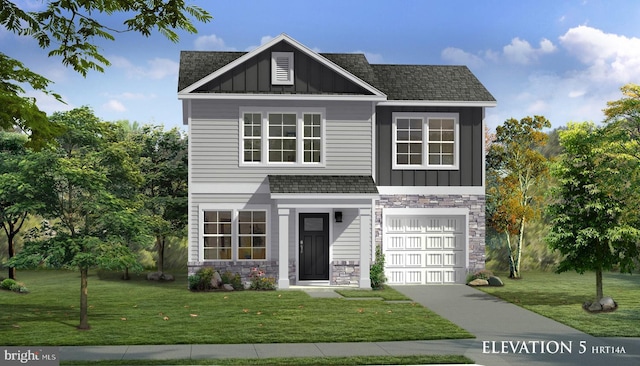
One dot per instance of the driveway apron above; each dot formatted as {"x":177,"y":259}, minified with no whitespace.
{"x":507,"y":334}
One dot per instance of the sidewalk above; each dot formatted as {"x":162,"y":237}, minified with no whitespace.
{"x":500,"y":328}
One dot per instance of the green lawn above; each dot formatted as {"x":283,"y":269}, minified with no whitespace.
{"x":143,"y":312}
{"x":560,"y":297}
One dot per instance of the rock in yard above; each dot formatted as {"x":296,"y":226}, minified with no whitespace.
{"x":495,"y":281}
{"x":227,"y":287}
{"x":478,"y":282}
{"x":595,"y":307}
{"x":216,"y":280}
{"x":154,"y":276}
{"x":167,"y":277}
{"x":607,"y":304}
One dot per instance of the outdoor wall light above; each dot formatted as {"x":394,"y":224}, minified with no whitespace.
{"x":338,"y":216}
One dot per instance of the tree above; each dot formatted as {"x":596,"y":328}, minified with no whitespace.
{"x":24,"y":186}
{"x":94,"y":221}
{"x":164,"y":167}
{"x":515,"y":168}
{"x":588,"y":223}
{"x":71,"y":30}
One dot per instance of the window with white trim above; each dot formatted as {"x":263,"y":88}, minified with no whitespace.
{"x":282,"y":68}
{"x":425,"y":140}
{"x":234,"y":234}
{"x":281,"y":137}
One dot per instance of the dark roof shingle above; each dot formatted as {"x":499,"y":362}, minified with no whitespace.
{"x":328,"y":184}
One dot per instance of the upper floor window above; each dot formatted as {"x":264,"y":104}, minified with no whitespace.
{"x":288,"y":138}
{"x":425,"y":140}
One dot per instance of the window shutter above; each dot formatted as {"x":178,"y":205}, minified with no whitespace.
{"x":282,"y":68}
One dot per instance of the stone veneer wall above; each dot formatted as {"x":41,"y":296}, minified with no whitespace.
{"x":345,"y":273}
{"x":475,"y":231}
{"x":244,"y":268}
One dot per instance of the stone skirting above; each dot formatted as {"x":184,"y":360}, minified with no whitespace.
{"x":244,"y":268}
{"x":475,"y":231}
{"x":345,"y":273}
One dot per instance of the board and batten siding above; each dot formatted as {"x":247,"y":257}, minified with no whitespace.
{"x":214,"y":139}
{"x":470,"y":172}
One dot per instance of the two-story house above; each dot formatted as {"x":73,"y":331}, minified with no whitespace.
{"x":301,"y":163}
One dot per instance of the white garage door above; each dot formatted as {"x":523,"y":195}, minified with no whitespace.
{"x":424,"y":249}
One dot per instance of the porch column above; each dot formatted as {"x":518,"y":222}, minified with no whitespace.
{"x":365,"y":247}
{"x":283,"y":248}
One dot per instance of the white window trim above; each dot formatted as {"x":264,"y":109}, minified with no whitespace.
{"x":235,"y":241}
{"x":425,"y":116}
{"x":264,"y":153}
{"x":275,"y":80}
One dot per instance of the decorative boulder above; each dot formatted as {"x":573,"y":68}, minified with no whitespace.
{"x":608,"y":304}
{"x":495,"y":281}
{"x":154,"y":276}
{"x":167,"y":277}
{"x":478,"y":282}
{"x":227,"y":287}
{"x":595,"y":307}
{"x":216,"y":280}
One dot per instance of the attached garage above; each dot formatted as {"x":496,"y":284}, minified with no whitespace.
{"x":425,"y":246}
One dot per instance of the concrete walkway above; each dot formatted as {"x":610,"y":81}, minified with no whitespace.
{"x":505,"y":335}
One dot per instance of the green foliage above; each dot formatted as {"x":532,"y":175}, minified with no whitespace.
{"x":259,"y":280}
{"x":7,"y":283}
{"x":376,"y":271}
{"x":195,"y":283}
{"x":589,"y":225}
{"x":12,"y":285}
{"x":234,"y":279}
{"x":515,"y":168}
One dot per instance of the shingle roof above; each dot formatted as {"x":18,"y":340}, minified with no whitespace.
{"x":398,"y":82}
{"x":430,"y":82}
{"x":337,"y":184}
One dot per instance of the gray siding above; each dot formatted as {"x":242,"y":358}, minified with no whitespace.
{"x":254,"y":76}
{"x":470,"y":171}
{"x":346,"y":236}
{"x":214,"y":141}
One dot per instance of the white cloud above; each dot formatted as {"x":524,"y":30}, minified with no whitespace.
{"x":610,"y":58}
{"x":461,"y":57}
{"x":48,"y":103}
{"x":114,"y":106}
{"x":211,"y":43}
{"x":521,"y":52}
{"x":131,"y":96}
{"x":157,"y":68}
{"x":263,"y":40}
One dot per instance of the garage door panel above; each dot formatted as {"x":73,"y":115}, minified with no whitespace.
{"x":425,"y":249}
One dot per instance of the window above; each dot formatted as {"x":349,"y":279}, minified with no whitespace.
{"x":217,"y":235}
{"x":282,"y":137}
{"x":425,"y":140}
{"x":276,"y":137}
{"x":312,"y":138}
{"x":252,"y":232}
{"x":252,"y":133}
{"x":282,"y":68}
{"x":234,"y":234}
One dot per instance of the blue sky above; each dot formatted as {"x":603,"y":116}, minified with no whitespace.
{"x":560,"y":59}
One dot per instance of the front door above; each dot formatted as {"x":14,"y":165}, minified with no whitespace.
{"x":314,"y":246}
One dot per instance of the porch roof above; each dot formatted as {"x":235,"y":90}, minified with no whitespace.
{"x":322,"y":184}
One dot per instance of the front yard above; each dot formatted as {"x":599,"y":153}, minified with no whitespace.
{"x":560,"y":296}
{"x":142,"y":312}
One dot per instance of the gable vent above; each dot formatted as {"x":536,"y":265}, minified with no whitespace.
{"x":282,"y":68}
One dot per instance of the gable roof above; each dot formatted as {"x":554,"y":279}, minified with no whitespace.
{"x":390,"y":84}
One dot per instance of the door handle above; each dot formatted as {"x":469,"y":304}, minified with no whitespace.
{"x":301,"y":246}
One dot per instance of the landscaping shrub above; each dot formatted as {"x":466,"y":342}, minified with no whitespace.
{"x":7,"y":283}
{"x":195,"y":282}
{"x":376,"y":271}
{"x":484,"y":274}
{"x":234,"y":279}
{"x":259,"y":281}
